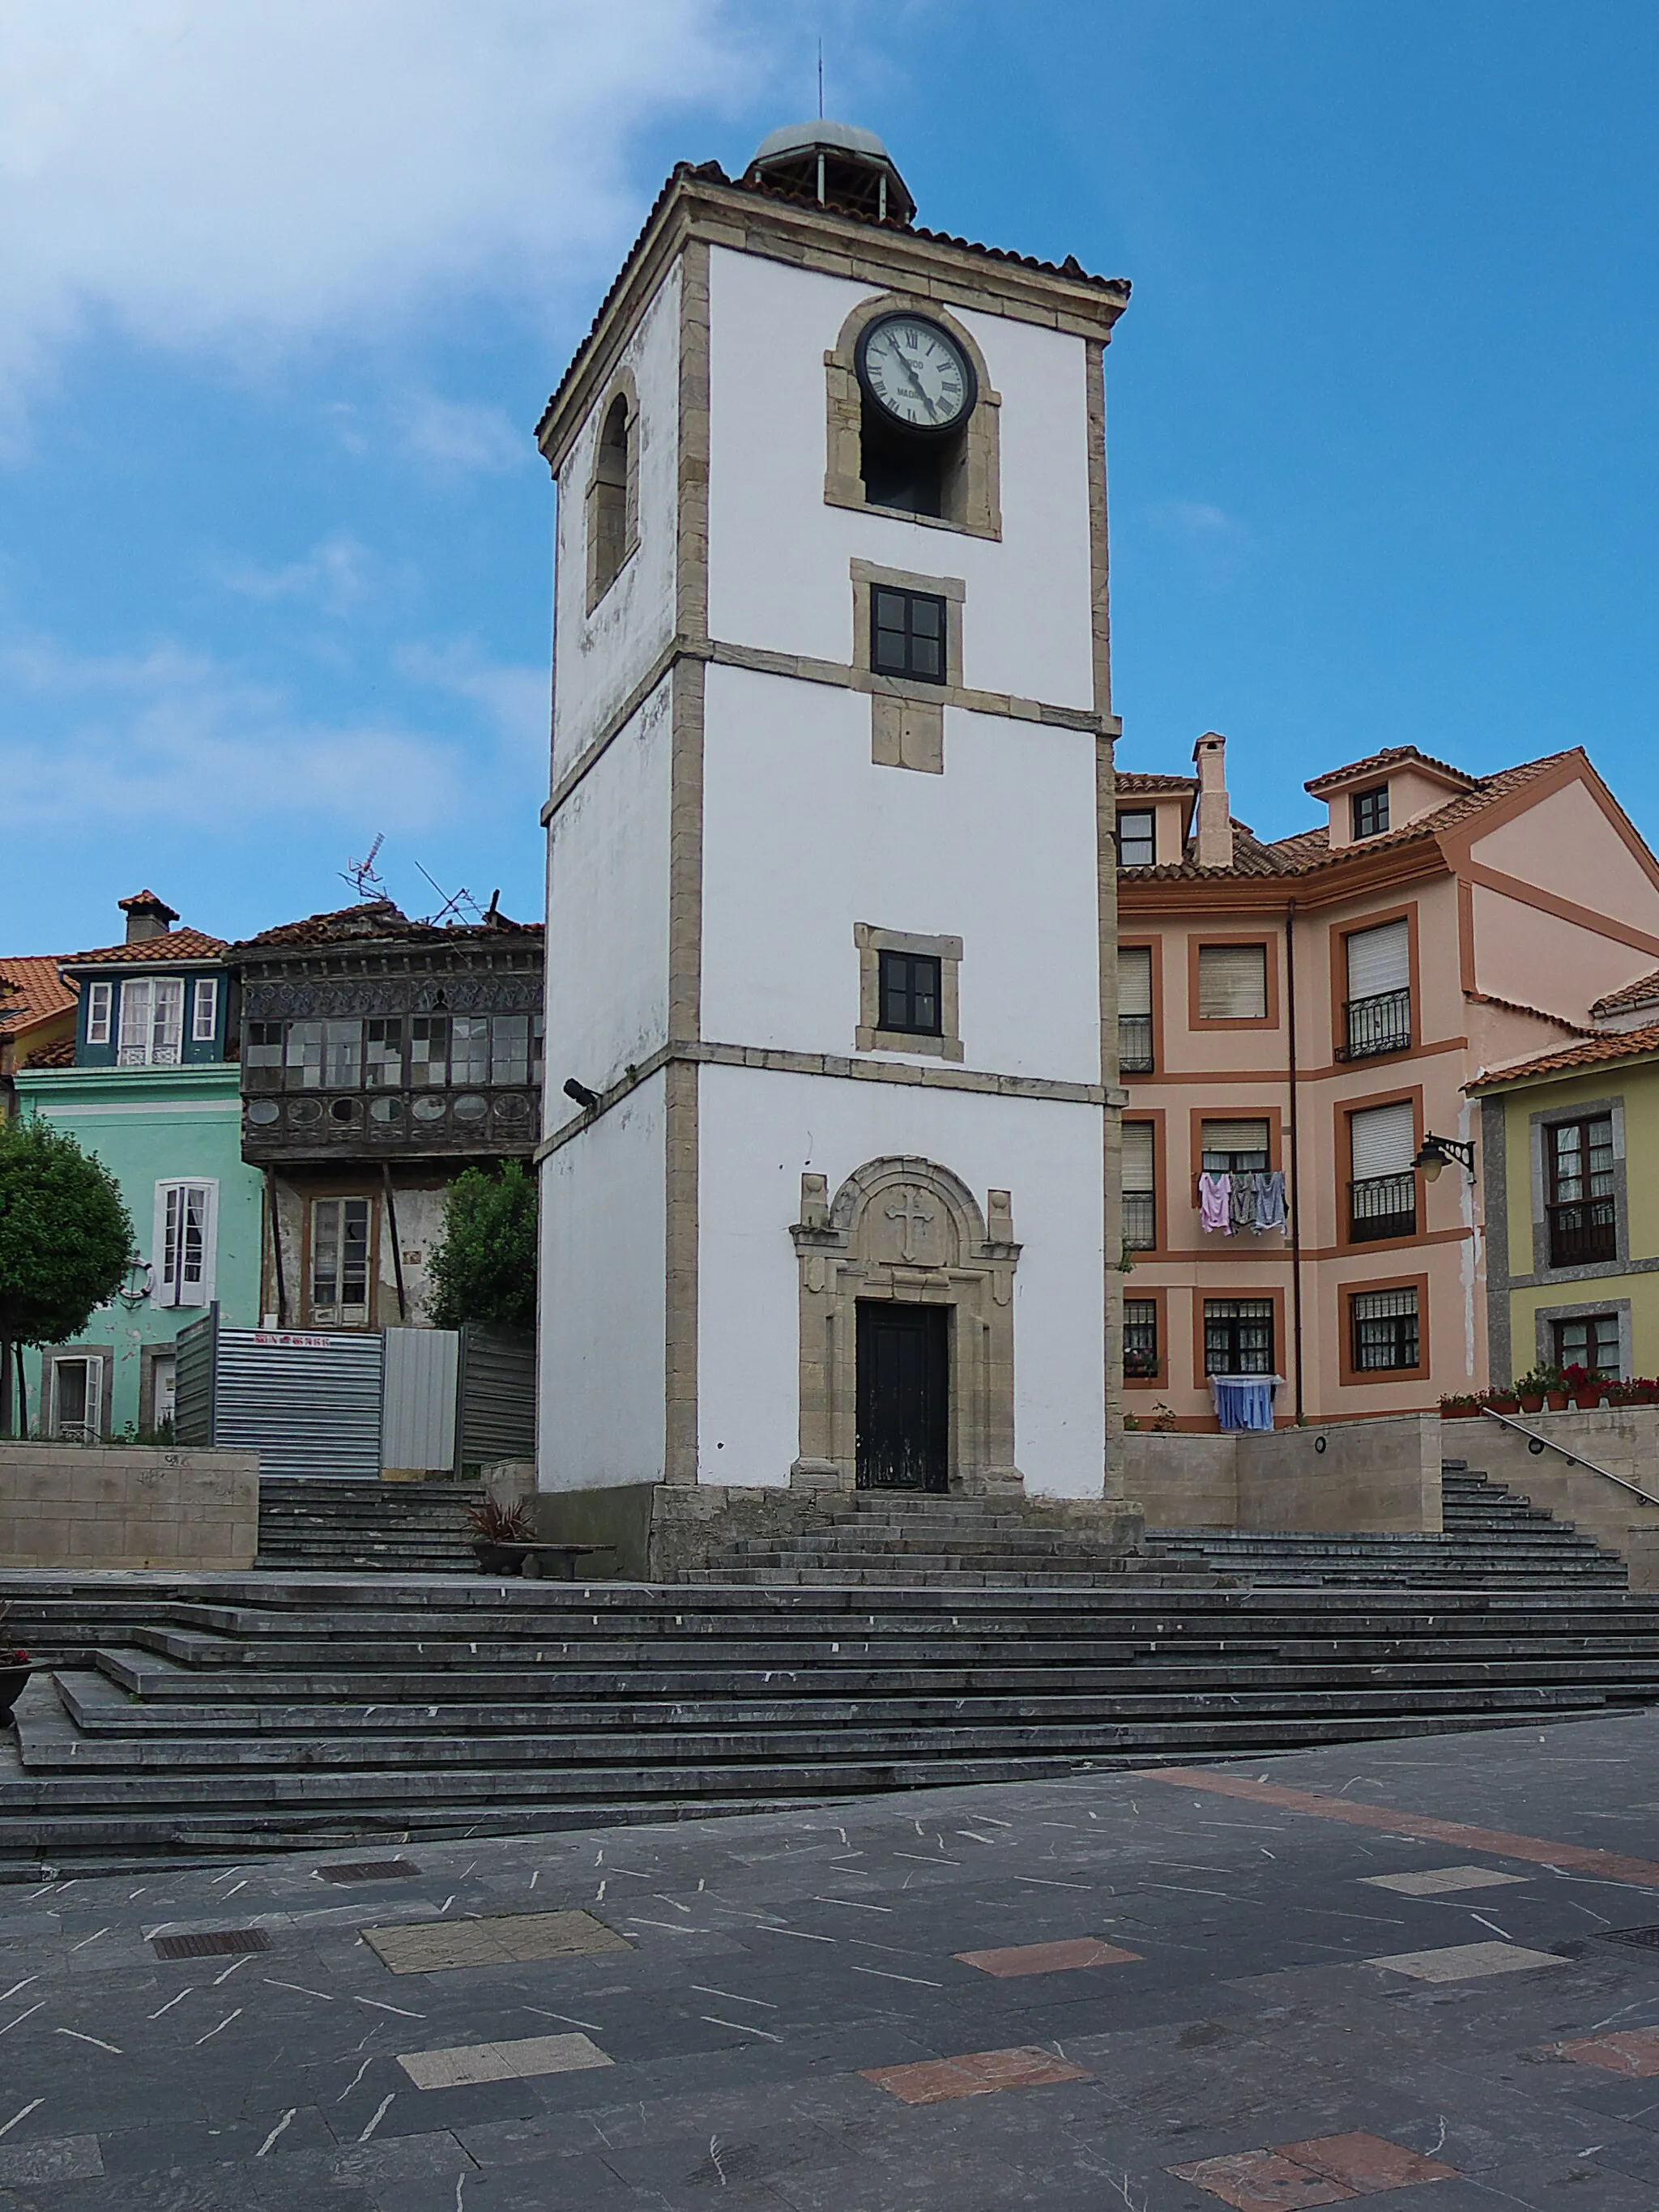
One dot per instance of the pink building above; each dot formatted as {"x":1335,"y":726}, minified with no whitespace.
{"x":1312,"y":1009}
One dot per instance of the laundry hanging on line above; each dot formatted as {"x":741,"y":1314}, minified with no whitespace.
{"x":1229,"y":1204}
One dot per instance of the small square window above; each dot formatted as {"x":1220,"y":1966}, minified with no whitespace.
{"x":907,"y":633}
{"x":1137,"y":846}
{"x":910,"y":994}
{"x":1238,"y":1336}
{"x":1385,"y":1330}
{"x":1590,"y":1341}
{"x":1370,"y":811}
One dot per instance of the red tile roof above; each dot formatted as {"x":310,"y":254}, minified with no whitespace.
{"x":60,"y":1052}
{"x":1590,"y":1052}
{"x":1309,"y":850}
{"x":171,"y":945}
{"x":38,"y":992}
{"x":1133,"y":779}
{"x":1390,"y":757}
{"x":1644,"y":992}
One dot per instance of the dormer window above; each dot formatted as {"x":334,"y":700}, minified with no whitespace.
{"x":152,"y":1021}
{"x":1370,"y":811}
{"x":1137,"y":844}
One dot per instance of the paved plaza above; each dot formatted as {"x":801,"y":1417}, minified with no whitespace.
{"x":1408,"y":1970}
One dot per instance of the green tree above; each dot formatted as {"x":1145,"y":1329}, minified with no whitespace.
{"x":65,"y":1241}
{"x":483,"y":1267}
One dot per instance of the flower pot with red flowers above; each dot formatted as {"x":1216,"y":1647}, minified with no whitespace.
{"x":1502,"y":1401}
{"x":1459,"y":1409}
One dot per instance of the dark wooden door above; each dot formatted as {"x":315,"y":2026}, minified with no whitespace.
{"x":903,"y":1396}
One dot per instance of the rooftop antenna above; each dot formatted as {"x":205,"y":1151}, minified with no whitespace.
{"x":361,"y":875}
{"x":450,"y":905}
{"x":820,"y":80}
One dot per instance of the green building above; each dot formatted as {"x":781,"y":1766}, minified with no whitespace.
{"x":1570,"y":1146}
{"x":146,"y":1086}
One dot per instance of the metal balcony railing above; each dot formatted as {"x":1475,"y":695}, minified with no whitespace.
{"x":1382,"y":1023}
{"x":1140,"y":1220}
{"x":1382,"y":1206}
{"x":1134,"y":1044}
{"x":1583,"y":1233}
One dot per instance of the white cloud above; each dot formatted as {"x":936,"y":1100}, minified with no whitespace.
{"x":454,"y":433}
{"x":176,"y":736}
{"x":334,"y":575}
{"x":244,"y":176}
{"x":518,"y":701}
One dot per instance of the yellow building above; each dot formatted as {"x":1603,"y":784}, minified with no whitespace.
{"x":1569,"y":1145}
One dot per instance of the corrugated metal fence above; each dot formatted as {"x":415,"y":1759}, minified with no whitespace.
{"x":348,"y":1405}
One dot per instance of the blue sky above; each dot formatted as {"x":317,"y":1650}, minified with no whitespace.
{"x":287,"y":284}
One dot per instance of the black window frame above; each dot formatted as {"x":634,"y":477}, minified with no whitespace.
{"x":913,"y":644}
{"x":1143,"y":1358}
{"x":1369,"y":812}
{"x":909,"y":982}
{"x":1226,"y":1319}
{"x":1148,"y":815}
{"x":1394,"y":1332}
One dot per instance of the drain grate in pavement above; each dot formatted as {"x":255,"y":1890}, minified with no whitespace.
{"x":1645,"y":1939}
{"x":216,"y":1943}
{"x":369,"y":1870}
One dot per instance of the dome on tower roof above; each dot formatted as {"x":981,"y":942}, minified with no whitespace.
{"x":836,"y":164}
{"x":798,"y":137}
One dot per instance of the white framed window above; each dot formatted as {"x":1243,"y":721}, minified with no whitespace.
{"x":204,"y":1011}
{"x":185,"y":1239}
{"x":152,"y":1021}
{"x":340,"y":1273}
{"x":101,"y":1009}
{"x":75,"y":1408}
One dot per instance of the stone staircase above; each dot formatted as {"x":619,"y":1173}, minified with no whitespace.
{"x":1492,"y":1540}
{"x":227,"y":1715}
{"x":344,"y":1527}
{"x":906,"y":1540}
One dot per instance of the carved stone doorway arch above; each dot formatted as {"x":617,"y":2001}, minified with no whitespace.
{"x":907,"y":1230}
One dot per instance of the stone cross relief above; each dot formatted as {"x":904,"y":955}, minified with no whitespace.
{"x":911,"y":1215}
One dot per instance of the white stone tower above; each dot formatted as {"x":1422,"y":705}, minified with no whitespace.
{"x":828,"y":1181}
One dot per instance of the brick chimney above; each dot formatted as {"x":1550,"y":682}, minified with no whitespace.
{"x":147,"y":916}
{"x":1213,"y":823}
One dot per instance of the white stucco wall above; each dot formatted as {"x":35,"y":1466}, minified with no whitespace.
{"x":803,"y":837}
{"x":607,"y":911}
{"x":779,"y":555}
{"x":602,"y":656}
{"x":600,"y":1408}
{"x":759,"y":1131}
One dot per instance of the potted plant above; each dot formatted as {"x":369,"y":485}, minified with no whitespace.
{"x":497,"y":1531}
{"x":1457,"y":1408}
{"x":1584,"y":1386}
{"x":1542,"y":1386}
{"x":14,"y":1668}
{"x":1501,"y":1401}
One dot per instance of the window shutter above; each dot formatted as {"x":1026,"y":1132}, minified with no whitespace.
{"x":1138,"y":1167}
{"x":99,"y":998}
{"x":1233,"y":1136}
{"x":137,"y":1015}
{"x":1232,"y":982}
{"x":204,"y":1018}
{"x":169,"y":1028}
{"x":1135,"y":980}
{"x":1385,"y":1139}
{"x":1379,"y":960}
{"x":164,"y":1244}
{"x":197,"y":1209}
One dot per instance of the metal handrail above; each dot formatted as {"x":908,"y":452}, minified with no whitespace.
{"x":1548,"y":1443}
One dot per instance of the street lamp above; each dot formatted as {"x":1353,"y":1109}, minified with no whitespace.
{"x":1439,"y":1150}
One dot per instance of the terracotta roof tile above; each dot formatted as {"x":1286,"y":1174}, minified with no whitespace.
{"x":1310,"y":850}
{"x":1390,"y":757}
{"x":1538,"y":1013}
{"x":171,"y":945}
{"x":1133,"y":780}
{"x":60,"y":1052}
{"x":38,"y":991}
{"x":1644,"y":992}
{"x":1590,"y":1052}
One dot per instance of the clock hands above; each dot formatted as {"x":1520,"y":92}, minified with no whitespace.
{"x":909,"y":368}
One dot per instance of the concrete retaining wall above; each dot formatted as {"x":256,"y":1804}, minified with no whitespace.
{"x":1623,"y":1439}
{"x":1354,"y":1476}
{"x":62,"y":1505}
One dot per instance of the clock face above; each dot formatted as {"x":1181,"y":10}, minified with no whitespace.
{"x":916,"y":374}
